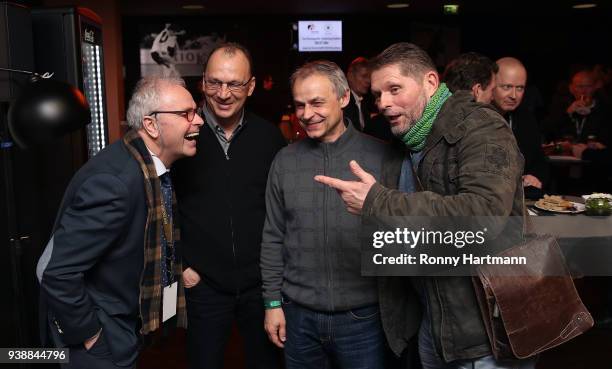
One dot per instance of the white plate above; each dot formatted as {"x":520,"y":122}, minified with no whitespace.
{"x":578,"y":206}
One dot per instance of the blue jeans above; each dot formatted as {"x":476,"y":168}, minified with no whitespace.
{"x":351,"y":339}
{"x":431,"y":360}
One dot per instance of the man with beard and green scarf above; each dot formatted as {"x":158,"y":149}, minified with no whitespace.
{"x":458,"y":159}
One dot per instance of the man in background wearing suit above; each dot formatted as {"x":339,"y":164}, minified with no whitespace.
{"x":359,"y":109}
{"x":358,"y":77}
{"x":114,"y":253}
{"x":510,"y":83}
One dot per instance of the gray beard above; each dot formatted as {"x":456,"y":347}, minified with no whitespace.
{"x":413,"y":117}
{"x":400,"y":131}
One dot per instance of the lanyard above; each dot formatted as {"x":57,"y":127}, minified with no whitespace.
{"x":168,"y":226}
{"x":169,"y":236}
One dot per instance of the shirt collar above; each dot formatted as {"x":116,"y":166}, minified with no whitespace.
{"x":357,"y":97}
{"x":212,"y":120}
{"x":160,"y":168}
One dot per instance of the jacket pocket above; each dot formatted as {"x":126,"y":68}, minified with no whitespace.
{"x":444,"y":179}
{"x":100,"y":348}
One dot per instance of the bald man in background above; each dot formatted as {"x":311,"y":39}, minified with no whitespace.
{"x":586,"y":119}
{"x":510,"y":84}
{"x":585,"y":123}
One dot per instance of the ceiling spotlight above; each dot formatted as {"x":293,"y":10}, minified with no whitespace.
{"x":397,"y":5}
{"x":193,"y":7}
{"x":584,"y":6}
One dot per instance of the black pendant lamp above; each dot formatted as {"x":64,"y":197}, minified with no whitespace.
{"x":46,"y":109}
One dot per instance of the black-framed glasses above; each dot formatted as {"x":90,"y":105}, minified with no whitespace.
{"x":188,"y":114}
{"x":234,"y":86}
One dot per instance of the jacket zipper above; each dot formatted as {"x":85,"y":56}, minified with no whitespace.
{"x":441,"y":348}
{"x":436,"y":342}
{"x":327,"y":255}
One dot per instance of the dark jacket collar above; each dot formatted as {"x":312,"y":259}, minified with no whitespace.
{"x":340,"y":145}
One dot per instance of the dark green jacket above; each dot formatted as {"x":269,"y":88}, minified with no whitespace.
{"x":471,"y":166}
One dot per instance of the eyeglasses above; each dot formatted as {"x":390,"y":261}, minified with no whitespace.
{"x":188,"y":114}
{"x":233,"y":86}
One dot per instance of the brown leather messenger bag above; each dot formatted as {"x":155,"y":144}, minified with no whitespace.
{"x":530,"y":308}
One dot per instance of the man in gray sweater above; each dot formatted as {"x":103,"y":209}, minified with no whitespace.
{"x":318,"y":306}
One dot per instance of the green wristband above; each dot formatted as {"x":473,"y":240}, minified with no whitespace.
{"x":272,"y":304}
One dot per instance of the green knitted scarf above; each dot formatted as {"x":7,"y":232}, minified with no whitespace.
{"x":414,"y":139}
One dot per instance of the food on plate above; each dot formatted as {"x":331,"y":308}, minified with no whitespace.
{"x":555,"y":203}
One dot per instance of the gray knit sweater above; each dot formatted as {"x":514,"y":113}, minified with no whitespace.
{"x":310,"y":248}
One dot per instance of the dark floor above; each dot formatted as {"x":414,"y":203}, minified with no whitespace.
{"x":593,"y":350}
{"x":169,"y":352}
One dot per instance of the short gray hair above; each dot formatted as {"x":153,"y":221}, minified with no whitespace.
{"x":325,"y":68}
{"x":145,"y":98}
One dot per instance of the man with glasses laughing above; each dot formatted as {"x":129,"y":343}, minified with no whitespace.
{"x":221,"y":199}
{"x":112,"y":268}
